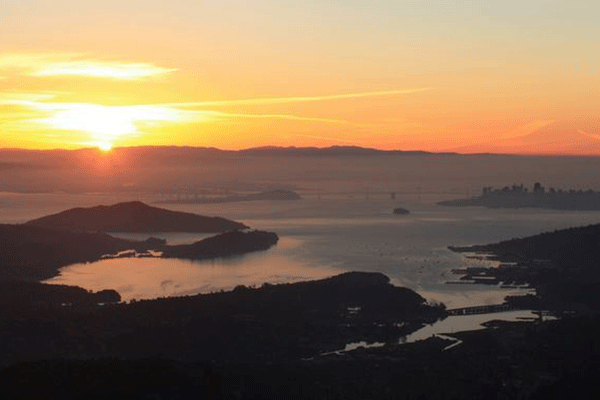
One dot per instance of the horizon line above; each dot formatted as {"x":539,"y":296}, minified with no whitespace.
{"x":266,"y":148}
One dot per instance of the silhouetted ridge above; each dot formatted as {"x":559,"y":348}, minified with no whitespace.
{"x":226,"y":244}
{"x":328,"y":151}
{"x":272,"y":322}
{"x":134,"y":216}
{"x":36,"y":253}
{"x":562,"y":265}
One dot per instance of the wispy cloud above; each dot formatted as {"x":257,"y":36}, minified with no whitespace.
{"x":299,"y":99}
{"x":102,"y":69}
{"x":106,"y":124}
{"x":68,"y":64}
{"x":218,"y":114}
{"x":593,"y":136}
{"x":527,"y":129}
{"x":8,"y":98}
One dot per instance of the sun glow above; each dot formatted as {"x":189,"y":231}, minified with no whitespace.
{"x":104,"y":146}
{"x":105,"y":124}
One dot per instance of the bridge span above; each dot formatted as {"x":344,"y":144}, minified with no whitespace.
{"x":488,"y":309}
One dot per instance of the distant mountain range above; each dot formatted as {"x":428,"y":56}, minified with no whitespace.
{"x":327,"y":151}
{"x":197,"y":170}
{"x":553,"y":139}
{"x":186,"y":152}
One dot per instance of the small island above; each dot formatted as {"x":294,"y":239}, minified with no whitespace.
{"x":518,"y":196}
{"x":134,"y":216}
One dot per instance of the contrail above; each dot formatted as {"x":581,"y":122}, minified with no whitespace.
{"x":287,"y":100}
{"x":280,"y":116}
{"x":597,"y":137}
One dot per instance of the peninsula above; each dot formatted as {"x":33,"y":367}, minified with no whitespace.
{"x":273,"y":322}
{"x":518,"y":196}
{"x":33,"y":253}
{"x":133,"y":216}
{"x":561,"y":265}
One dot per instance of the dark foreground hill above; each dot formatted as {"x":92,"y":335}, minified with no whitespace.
{"x":273,"y":322}
{"x":264,"y":344}
{"x":133,"y":216}
{"x":551,"y":360}
{"x":562,"y":265}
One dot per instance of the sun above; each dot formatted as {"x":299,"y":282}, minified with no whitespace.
{"x":104,"y":146}
{"x":105,"y":125}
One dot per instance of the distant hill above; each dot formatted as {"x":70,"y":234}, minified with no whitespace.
{"x":133,"y":216}
{"x":326,"y":151}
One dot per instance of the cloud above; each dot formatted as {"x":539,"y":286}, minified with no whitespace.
{"x":69,"y":64}
{"x":103,"y":125}
{"x":300,"y":99}
{"x":24,"y":98}
{"x":593,"y":136}
{"x":102,"y":69}
{"x":218,"y":114}
{"x":527,"y":129}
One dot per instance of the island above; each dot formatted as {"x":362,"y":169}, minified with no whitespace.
{"x":518,"y":196}
{"x":133,"y":216}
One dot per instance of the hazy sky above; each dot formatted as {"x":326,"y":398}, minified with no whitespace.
{"x":432,"y":75}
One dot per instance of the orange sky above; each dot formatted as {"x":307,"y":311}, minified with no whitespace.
{"x":441,"y":75}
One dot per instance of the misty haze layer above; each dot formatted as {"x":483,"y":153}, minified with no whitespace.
{"x":200,"y":170}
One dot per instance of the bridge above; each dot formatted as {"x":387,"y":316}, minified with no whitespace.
{"x":493,"y":308}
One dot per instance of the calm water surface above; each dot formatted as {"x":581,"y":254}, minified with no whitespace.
{"x":318,"y":238}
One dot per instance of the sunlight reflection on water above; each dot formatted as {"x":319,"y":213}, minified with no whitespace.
{"x":147,"y":278}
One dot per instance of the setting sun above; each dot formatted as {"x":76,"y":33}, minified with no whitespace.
{"x":487,"y":77}
{"x":103,"y":125}
{"x":104,"y":146}
{"x":299,"y":199}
